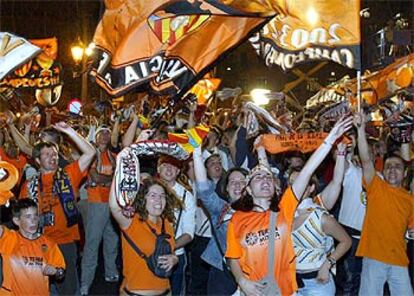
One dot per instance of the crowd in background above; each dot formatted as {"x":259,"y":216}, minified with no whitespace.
{"x":239,"y":220}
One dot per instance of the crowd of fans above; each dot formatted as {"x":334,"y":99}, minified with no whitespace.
{"x":238,"y":219}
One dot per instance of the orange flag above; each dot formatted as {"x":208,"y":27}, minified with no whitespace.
{"x":309,"y":30}
{"x":165,"y":47}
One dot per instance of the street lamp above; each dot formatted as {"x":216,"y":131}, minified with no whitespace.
{"x":80,"y":54}
{"x":259,"y":96}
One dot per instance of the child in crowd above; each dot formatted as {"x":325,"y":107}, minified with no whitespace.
{"x":29,"y":257}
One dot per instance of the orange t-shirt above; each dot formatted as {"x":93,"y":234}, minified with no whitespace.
{"x":247,"y":240}
{"x":23,"y":263}
{"x":101,"y":193}
{"x":137,"y":275}
{"x":19,"y":162}
{"x":59,"y":232}
{"x":390,"y":211}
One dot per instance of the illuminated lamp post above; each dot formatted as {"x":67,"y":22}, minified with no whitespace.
{"x":80,"y":55}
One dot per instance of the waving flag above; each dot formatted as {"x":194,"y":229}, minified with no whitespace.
{"x":41,"y":72}
{"x":14,"y":52}
{"x":165,"y":46}
{"x":192,"y":137}
{"x":311,"y":30}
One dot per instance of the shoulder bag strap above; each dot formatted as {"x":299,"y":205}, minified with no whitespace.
{"x":179,"y":215}
{"x":133,"y":245}
{"x":271,"y":246}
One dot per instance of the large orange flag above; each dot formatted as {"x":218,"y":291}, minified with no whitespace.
{"x":309,"y":30}
{"x":165,"y":46}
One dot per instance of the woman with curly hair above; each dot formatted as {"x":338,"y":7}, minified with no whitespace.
{"x":154,"y":208}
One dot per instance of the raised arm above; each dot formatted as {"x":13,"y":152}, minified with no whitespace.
{"x":115,"y":133}
{"x":200,"y":171}
{"x":331,"y":192}
{"x":123,"y":221}
{"x":367,"y":163}
{"x":129,"y":136}
{"x":20,"y":140}
{"x":261,"y":152}
{"x":405,"y":151}
{"x":86,"y":149}
{"x":116,"y":210}
{"x":191,"y":119}
{"x":302,"y":180}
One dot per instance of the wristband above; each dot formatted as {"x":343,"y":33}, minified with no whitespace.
{"x":341,"y":153}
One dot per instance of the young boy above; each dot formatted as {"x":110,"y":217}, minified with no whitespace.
{"x":28,"y":256}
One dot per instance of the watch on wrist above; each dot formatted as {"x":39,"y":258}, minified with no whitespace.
{"x":60,"y":272}
{"x":331,"y":261}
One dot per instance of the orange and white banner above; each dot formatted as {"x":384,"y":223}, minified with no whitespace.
{"x":311,"y":30}
{"x":165,"y":46}
{"x":303,"y":142}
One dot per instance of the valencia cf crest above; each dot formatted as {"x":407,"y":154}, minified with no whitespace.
{"x":169,"y":30}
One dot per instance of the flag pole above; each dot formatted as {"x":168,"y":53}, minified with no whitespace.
{"x":359,"y":90}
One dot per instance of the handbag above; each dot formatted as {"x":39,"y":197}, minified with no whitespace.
{"x":162,"y":247}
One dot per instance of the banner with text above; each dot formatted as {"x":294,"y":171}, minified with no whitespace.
{"x":165,"y":47}
{"x":41,"y":72}
{"x":303,"y":142}
{"x":311,"y":30}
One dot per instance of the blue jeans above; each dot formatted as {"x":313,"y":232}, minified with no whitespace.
{"x":314,"y":288}
{"x":177,"y":279}
{"x":375,"y":274}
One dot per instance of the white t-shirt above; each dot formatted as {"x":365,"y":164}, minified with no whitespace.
{"x":353,"y":205}
{"x":187,"y":220}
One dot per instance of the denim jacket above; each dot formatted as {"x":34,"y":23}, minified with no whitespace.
{"x":217,"y":208}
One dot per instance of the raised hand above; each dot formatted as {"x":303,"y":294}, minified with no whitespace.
{"x":62,"y":127}
{"x":145,"y":135}
{"x":359,"y":120}
{"x":343,"y":125}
